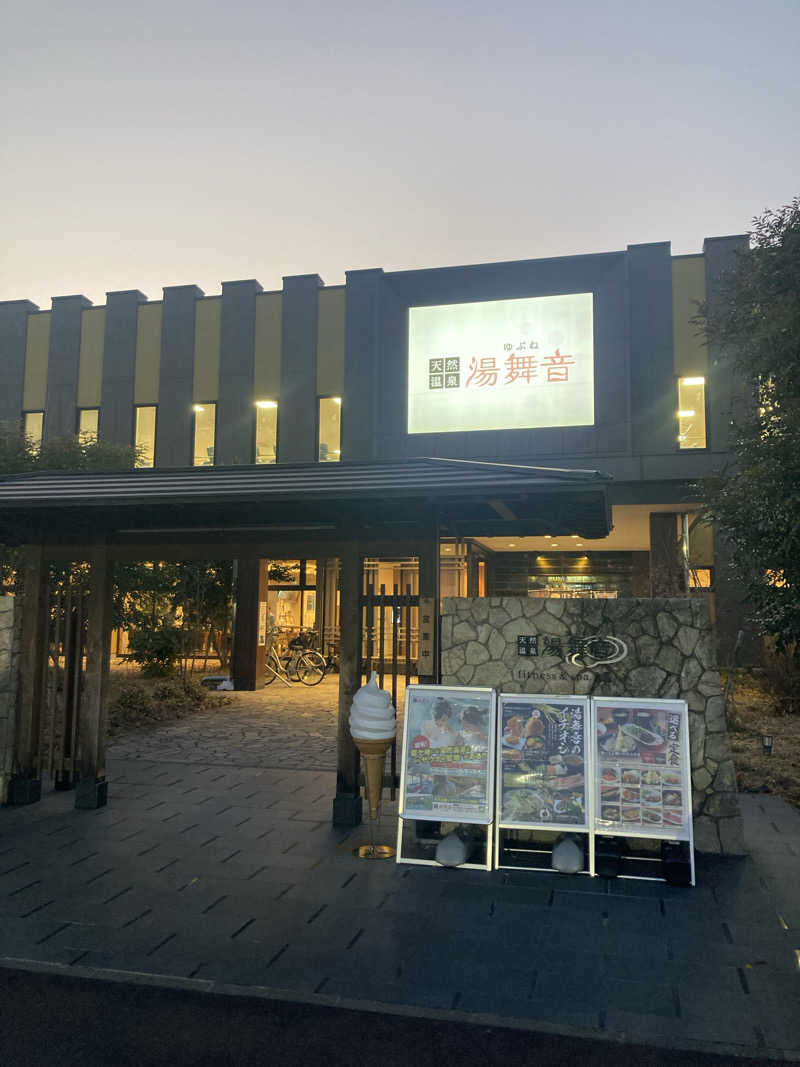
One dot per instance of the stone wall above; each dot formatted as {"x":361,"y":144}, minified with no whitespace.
{"x":9,"y":647}
{"x":671,"y":653}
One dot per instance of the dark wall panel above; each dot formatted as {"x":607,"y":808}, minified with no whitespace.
{"x":119,"y":366}
{"x":377,"y":320}
{"x":654,"y":398}
{"x":720,"y":255}
{"x":297,"y":409}
{"x":363,"y":337}
{"x":176,"y":377}
{"x":13,"y":340}
{"x":63,"y":365}
{"x":235,"y":409}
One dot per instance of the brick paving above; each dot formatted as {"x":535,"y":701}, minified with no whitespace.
{"x":275,"y":727}
{"x":215,"y":864}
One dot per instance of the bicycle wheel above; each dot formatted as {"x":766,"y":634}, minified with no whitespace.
{"x":311,"y":668}
{"x":270,"y":671}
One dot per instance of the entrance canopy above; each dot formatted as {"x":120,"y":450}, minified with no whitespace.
{"x":343,"y":510}
{"x":336,"y":501}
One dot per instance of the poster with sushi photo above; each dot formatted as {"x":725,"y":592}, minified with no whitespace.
{"x":543,"y":761}
{"x":448,"y":754}
{"x":642,"y":759}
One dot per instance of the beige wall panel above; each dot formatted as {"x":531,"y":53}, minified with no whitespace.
{"x":267,"y":378}
{"x":330,"y":341}
{"x":37,"y":351}
{"x":688,"y":286}
{"x":90,"y":370}
{"x":148,"y":352}
{"x":207,"y":327}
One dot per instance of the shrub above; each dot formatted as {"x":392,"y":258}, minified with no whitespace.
{"x":155,"y":650}
{"x":139,"y":703}
{"x":782,"y":675}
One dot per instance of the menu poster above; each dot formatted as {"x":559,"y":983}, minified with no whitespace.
{"x":448,"y":754}
{"x":543,"y":752}
{"x":643,"y":768}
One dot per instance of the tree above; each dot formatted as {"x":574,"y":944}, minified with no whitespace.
{"x":756,"y":500}
{"x":20,"y":455}
{"x":149,"y":598}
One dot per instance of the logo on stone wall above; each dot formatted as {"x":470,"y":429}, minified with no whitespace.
{"x":599,"y":650}
{"x":594,"y":651}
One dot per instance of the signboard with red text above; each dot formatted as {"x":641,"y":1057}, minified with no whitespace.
{"x":501,"y":364}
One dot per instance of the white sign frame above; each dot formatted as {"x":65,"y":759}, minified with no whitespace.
{"x":584,"y":828}
{"x":420,"y":816}
{"x":441,"y":691}
{"x":684,"y":832}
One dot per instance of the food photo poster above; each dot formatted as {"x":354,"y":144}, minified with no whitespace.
{"x":642,"y":768}
{"x":543,"y":761}
{"x":448,"y":754}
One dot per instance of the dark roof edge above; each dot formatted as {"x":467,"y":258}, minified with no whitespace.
{"x":563,"y":473}
{"x":144,"y":473}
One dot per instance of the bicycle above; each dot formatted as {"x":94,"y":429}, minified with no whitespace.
{"x":300,"y":664}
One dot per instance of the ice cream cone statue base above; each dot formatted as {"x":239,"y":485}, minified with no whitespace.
{"x":373,"y":726}
{"x":374,"y":755}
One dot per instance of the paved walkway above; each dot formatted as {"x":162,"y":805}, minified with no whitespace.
{"x":215,"y":866}
{"x":275,"y":727}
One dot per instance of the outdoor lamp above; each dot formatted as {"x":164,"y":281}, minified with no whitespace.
{"x":766,"y":744}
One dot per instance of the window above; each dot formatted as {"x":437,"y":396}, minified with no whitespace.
{"x":330,"y":427}
{"x":266,"y":431}
{"x":88,"y":419}
{"x":701,"y":578}
{"x":691,"y":413}
{"x":145,"y":436}
{"x":33,"y":426}
{"x":205,"y":416}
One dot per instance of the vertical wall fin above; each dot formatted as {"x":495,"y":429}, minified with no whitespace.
{"x":236,"y":410}
{"x":297,"y":412}
{"x":13,"y":342}
{"x":119,"y":366}
{"x":63,"y":366}
{"x":361,"y":366}
{"x":176,"y":377}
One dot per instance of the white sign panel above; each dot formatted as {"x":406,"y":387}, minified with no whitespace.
{"x":448,"y":754}
{"x":642,"y":766}
{"x":501,"y":364}
{"x":543,"y":761}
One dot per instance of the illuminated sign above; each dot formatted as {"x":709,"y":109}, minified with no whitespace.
{"x":501,"y":364}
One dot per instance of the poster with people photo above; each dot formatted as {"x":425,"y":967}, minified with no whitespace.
{"x":448,"y":754}
{"x":642,"y":756}
{"x":543,"y":761}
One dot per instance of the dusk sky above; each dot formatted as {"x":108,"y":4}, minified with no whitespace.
{"x":170,"y":143}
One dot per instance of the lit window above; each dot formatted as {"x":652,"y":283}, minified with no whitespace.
{"x":691,"y":413}
{"x":266,"y":431}
{"x":87,"y":425}
{"x":330,"y":429}
{"x":34,"y":423}
{"x":205,"y":416}
{"x":145,"y":436}
{"x":700,"y":578}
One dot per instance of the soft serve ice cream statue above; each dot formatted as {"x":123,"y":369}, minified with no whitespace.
{"x":373,"y":725}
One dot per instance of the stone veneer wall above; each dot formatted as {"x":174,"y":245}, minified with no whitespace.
{"x":671,"y":654}
{"x":9,"y":648}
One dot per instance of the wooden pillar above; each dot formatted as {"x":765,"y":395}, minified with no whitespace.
{"x":25,"y":786}
{"x":249,"y":640}
{"x":92,"y":786}
{"x":429,"y":590}
{"x":347,"y":802}
{"x":666,"y":565}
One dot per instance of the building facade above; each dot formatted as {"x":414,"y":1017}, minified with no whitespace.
{"x":576,"y":362}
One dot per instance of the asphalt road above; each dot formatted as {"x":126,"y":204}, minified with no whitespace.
{"x":52,"y":1019}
